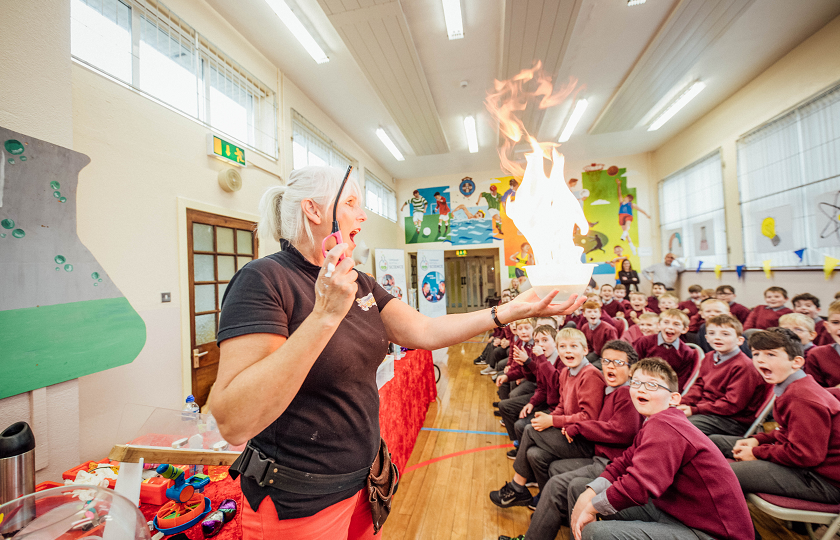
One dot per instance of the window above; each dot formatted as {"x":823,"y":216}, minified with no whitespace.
{"x":378,"y":198}
{"x":175,"y":65}
{"x":310,"y":146}
{"x":692,"y":220}
{"x":789,"y":179}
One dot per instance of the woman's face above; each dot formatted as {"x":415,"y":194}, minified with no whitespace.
{"x":625,"y":265}
{"x":350,"y":215}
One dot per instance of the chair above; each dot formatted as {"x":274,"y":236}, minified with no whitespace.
{"x":762,"y":413}
{"x":696,"y":372}
{"x":788,"y":509}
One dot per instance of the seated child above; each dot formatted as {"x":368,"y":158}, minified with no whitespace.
{"x":668,"y":301}
{"x":657,"y":290}
{"x":496,"y":360}
{"x":609,"y":304}
{"x":668,"y":346}
{"x":620,"y":294}
{"x":523,"y":342}
{"x":517,"y":411}
{"x":495,"y":338}
{"x":605,"y":317}
{"x":581,"y":397}
{"x":638,"y":305}
{"x":728,"y":392}
{"x":671,"y":483}
{"x":808,"y":304}
{"x":692,"y":305}
{"x":823,"y":362}
{"x":801,"y":458}
{"x":804,"y":328}
{"x":767,"y":316}
{"x":727,"y":294}
{"x":647,"y":326}
{"x":708,"y":309}
{"x":610,"y":435}
{"x":597,"y":332}
{"x":547,"y":321}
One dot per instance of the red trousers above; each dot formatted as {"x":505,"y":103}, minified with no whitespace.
{"x":349,"y":519}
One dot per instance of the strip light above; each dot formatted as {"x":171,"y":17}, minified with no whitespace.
{"x":389,"y":144}
{"x":454,"y":23}
{"x":675,"y":107}
{"x":580,"y":108}
{"x":631,"y":3}
{"x":298,"y":30}
{"x":472,"y":137}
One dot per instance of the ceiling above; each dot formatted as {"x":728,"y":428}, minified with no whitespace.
{"x":392,"y":66}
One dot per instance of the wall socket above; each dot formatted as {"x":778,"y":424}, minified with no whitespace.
{"x":165,"y":297}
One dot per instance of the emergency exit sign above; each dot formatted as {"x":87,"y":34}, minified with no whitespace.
{"x":228,"y":152}
{"x":461,"y":252}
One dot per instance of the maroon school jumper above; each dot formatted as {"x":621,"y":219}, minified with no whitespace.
{"x":695,"y":322}
{"x":685,"y":475}
{"x":763,"y":317}
{"x":733,"y":389}
{"x":616,"y":426}
{"x":690,"y":306}
{"x":580,"y":321}
{"x":630,"y":310}
{"x":516,"y":371}
{"x":612,"y":308}
{"x":632,"y":334}
{"x":823,"y":364}
{"x":581,"y":395}
{"x":596,"y":339}
{"x":548,"y":376}
{"x":739,"y":311}
{"x":682,"y":359}
{"x":808,"y":436}
{"x":823,"y":337}
{"x":653,"y":304}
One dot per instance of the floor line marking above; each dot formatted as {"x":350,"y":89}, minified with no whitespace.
{"x":465,"y":431}
{"x":456,"y":454}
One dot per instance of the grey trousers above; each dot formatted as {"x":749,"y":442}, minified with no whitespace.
{"x":496,"y":356}
{"x":712,"y":424}
{"x":511,"y":407}
{"x":538,"y":449}
{"x":641,"y":523}
{"x":761,"y":476}
{"x":556,"y":502}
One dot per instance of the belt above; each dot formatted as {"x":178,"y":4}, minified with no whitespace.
{"x":268,"y":473}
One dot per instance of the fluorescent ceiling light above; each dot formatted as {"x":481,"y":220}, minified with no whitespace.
{"x":298,"y":30}
{"x":389,"y":144}
{"x":675,"y":107}
{"x":631,"y":3}
{"x":580,"y":107}
{"x":472,"y":138}
{"x":454,"y":23}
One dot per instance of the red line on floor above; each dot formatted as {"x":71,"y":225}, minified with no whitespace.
{"x":456,"y":454}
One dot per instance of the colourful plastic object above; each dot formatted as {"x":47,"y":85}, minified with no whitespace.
{"x":177,"y":517}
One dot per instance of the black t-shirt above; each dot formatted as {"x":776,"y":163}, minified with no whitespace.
{"x":332,"y":424}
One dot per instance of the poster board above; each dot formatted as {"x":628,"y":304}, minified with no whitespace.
{"x":432,"y":282}
{"x":390,"y":272}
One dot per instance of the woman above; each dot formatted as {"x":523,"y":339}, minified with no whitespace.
{"x":301,"y":336}
{"x":627,"y":276}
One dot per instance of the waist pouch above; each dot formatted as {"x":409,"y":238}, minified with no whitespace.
{"x":382,"y":479}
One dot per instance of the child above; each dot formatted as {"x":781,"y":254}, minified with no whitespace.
{"x":609,"y":303}
{"x":668,"y":346}
{"x":620,"y":294}
{"x":647,"y":326}
{"x":495,"y":338}
{"x":801,"y":458}
{"x":763,"y":317}
{"x":418,"y":208}
{"x":803,"y":327}
{"x":668,"y":301}
{"x":727,"y":294}
{"x":657,"y":290}
{"x":809,"y":305}
{"x":707,"y":293}
{"x":691,"y":306}
{"x":728,"y":391}
{"x":711,"y":307}
{"x":672,"y":482}
{"x":597,"y":333}
{"x":580,"y":322}
{"x":496,"y":360}
{"x":523,"y":344}
{"x":638,"y":305}
{"x":581,"y":398}
{"x":608,"y":437}
{"x":823,"y":363}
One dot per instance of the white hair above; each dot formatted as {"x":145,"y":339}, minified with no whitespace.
{"x":281,"y":211}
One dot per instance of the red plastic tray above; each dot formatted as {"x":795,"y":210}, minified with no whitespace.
{"x":152,"y":491}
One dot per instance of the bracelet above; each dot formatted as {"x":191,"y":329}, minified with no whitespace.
{"x":496,"y":317}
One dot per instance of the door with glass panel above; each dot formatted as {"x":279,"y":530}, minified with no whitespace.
{"x":218,"y":247}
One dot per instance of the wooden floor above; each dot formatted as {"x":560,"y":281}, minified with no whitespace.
{"x":448,"y":499}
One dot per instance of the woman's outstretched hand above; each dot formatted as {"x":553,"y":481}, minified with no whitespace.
{"x":336,"y":286}
{"x":528,"y":304}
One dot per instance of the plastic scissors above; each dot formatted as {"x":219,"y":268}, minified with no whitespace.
{"x":336,"y":232}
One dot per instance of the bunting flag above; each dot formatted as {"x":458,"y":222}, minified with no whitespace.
{"x":800,"y":253}
{"x":699,"y":264}
{"x":766,"y":265}
{"x":828,"y":266}
{"x":740,"y":270}
{"x":717,"y":270}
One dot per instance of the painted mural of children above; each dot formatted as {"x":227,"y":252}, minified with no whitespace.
{"x":522,"y":258}
{"x":418,"y":208}
{"x":625,"y":215}
{"x":510,"y":194}
{"x":442,"y":209}
{"x":494,"y":203}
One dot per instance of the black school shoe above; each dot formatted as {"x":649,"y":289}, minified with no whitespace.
{"x":479,"y":361}
{"x":508,"y":496}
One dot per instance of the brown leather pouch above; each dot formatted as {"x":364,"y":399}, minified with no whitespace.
{"x":381,"y":485}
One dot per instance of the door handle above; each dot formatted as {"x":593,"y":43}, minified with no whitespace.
{"x":197,"y":357}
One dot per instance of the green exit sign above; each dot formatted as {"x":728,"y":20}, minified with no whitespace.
{"x":461,"y":252}
{"x":225,"y":151}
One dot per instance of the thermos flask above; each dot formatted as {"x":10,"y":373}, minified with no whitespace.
{"x":17,"y":469}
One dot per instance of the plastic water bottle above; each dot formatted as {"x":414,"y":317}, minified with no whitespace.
{"x":191,"y":409}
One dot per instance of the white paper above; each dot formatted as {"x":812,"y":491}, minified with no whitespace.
{"x":825,"y":209}
{"x":703,"y":238}
{"x":774,"y":229}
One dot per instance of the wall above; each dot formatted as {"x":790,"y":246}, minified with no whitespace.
{"x":805,"y":71}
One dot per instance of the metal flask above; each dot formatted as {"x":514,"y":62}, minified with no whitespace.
{"x":17,"y":470}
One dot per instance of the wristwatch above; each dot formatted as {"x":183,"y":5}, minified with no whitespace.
{"x":496,"y":317}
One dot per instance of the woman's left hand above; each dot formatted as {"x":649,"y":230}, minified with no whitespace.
{"x":528,"y":305}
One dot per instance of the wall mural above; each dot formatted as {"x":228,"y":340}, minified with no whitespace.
{"x":427,"y":215}
{"x":61,"y":316}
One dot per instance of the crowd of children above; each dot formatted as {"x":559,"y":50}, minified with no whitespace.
{"x":647,"y":411}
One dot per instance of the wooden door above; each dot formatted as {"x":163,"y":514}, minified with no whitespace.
{"x":218,"y":247}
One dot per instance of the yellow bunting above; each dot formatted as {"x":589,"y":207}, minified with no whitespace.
{"x":766,"y":265}
{"x":717,"y":270}
{"x":828,"y":266}
{"x":1,"y":517}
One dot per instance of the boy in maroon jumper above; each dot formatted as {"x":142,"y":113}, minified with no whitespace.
{"x":620,"y":294}
{"x":609,"y":304}
{"x":823,"y":363}
{"x":657,"y":290}
{"x":691,"y":306}
{"x":648,"y":325}
{"x":800,"y":459}
{"x":763,"y":317}
{"x":580,"y":320}
{"x":728,"y":391}
{"x":668,"y":301}
{"x":727,"y":294}
{"x":597,"y":332}
{"x":638,"y":305}
{"x":685,"y":487}
{"x":803,"y":327}
{"x":668,"y":346}
{"x":809,"y":305}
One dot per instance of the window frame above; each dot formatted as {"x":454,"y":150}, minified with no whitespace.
{"x":371,"y":178}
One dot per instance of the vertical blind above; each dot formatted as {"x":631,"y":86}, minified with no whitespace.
{"x":310,"y":146}
{"x":691,"y":214}
{"x":379,"y":198}
{"x":789,"y":179}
